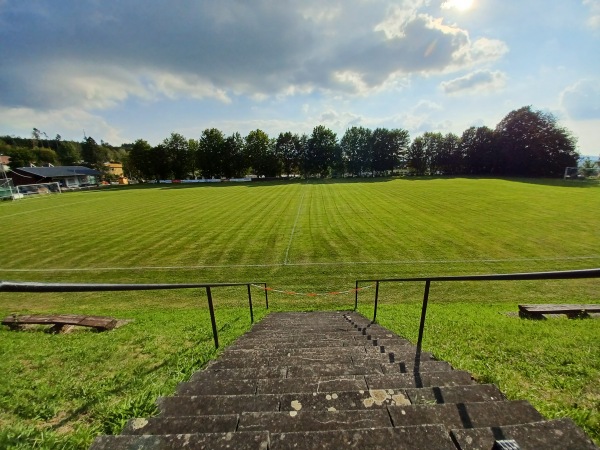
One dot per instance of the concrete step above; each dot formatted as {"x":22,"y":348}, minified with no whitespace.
{"x":183,"y":424}
{"x":216,"y":404}
{"x":296,"y":343}
{"x":455,"y":394}
{"x":273,"y":385}
{"x":425,"y":379}
{"x":465,"y":415}
{"x":322,"y":401}
{"x":430,"y":437}
{"x":307,"y":358}
{"x":356,"y":368}
{"x":560,"y":434}
{"x":290,"y":421}
{"x":213,"y":441}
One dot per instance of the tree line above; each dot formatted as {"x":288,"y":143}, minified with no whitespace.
{"x":526,"y":142}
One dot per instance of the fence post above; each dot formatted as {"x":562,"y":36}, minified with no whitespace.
{"x":422,"y":326}
{"x":266,"y":297}
{"x":376,"y":300}
{"x":356,"y":296}
{"x":250,"y":303}
{"x":212,"y":316}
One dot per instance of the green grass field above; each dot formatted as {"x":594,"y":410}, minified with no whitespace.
{"x":58,"y":391}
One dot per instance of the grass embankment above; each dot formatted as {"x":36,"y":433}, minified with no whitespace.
{"x":58,"y":391}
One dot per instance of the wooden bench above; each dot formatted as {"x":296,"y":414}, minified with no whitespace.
{"x":571,"y":311}
{"x":62,"y":323}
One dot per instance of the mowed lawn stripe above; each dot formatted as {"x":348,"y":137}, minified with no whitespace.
{"x":339,"y":221}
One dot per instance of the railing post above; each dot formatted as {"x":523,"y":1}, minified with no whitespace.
{"x":266,"y":297}
{"x":376,"y":301}
{"x":250,"y":303}
{"x":422,"y":326}
{"x":212,"y":317}
{"x":356,"y":297}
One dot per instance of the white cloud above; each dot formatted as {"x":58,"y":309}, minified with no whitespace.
{"x":475,"y":82}
{"x":594,"y":17}
{"x":581,"y":101}
{"x":207,"y":50}
{"x":71,"y":123}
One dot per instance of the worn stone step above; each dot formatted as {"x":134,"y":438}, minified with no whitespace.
{"x":181,"y":425}
{"x":213,"y":441}
{"x":296,"y":343}
{"x":559,"y":434}
{"x":455,"y":394}
{"x":216,"y":404}
{"x":230,"y":363}
{"x":320,"y":384}
{"x":297,"y":351}
{"x":290,"y":421}
{"x":341,"y":401}
{"x":409,"y":367}
{"x":425,"y":379}
{"x":218,"y":387}
{"x":333,"y":370}
{"x":465,"y":415}
{"x":430,"y":437}
{"x":273,"y":385}
{"x":399,"y":356}
{"x":240,"y":373}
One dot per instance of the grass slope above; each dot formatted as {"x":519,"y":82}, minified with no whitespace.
{"x":59,"y":391}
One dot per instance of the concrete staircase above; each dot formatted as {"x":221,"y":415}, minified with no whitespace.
{"x":333,"y":380}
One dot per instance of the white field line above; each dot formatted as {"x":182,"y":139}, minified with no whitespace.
{"x":286,"y":259}
{"x":306,"y":264}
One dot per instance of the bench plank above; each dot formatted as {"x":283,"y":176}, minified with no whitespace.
{"x":61,"y":321}
{"x":577,"y":310}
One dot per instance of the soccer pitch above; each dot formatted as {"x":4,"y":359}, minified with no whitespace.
{"x":316,"y":235}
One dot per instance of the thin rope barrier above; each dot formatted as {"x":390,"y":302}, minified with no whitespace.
{"x":312,"y":294}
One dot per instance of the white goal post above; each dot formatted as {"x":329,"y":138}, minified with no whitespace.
{"x":29,"y":190}
{"x":581,"y":173}
{"x":7,"y":190}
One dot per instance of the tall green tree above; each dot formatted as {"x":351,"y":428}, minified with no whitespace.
{"x":210,"y":153}
{"x":69,"y":153}
{"x":389,"y":149}
{"x":480,"y":149}
{"x":93,"y":154}
{"x":235,"y":163}
{"x":140,"y":163}
{"x":356,"y":146}
{"x":322,"y":148}
{"x":260,"y":153}
{"x":532,"y":143}
{"x":416,"y":158}
{"x":178,"y":155}
{"x":288,"y":150}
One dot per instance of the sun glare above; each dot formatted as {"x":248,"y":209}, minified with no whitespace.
{"x":461,"y":5}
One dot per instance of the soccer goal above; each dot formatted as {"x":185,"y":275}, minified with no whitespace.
{"x":7,"y":190}
{"x":31,"y":190}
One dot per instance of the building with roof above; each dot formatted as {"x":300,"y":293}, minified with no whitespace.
{"x":66,"y":176}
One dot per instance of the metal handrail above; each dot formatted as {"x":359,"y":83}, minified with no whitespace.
{"x":11,"y":286}
{"x":555,"y":275}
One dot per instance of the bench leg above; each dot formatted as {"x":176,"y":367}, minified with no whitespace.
{"x":531,"y":315}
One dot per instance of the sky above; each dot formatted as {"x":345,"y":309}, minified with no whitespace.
{"x":129,"y":69}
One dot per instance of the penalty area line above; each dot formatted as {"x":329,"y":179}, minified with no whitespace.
{"x":306,"y":264}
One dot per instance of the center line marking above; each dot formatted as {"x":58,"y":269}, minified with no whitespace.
{"x":286,"y":260}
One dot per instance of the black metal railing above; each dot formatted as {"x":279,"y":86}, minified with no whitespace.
{"x":10,"y":286}
{"x":557,"y":275}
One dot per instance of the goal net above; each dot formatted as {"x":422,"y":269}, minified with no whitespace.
{"x":30,"y":190}
{"x":7,"y":189}
{"x":582,"y":173}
